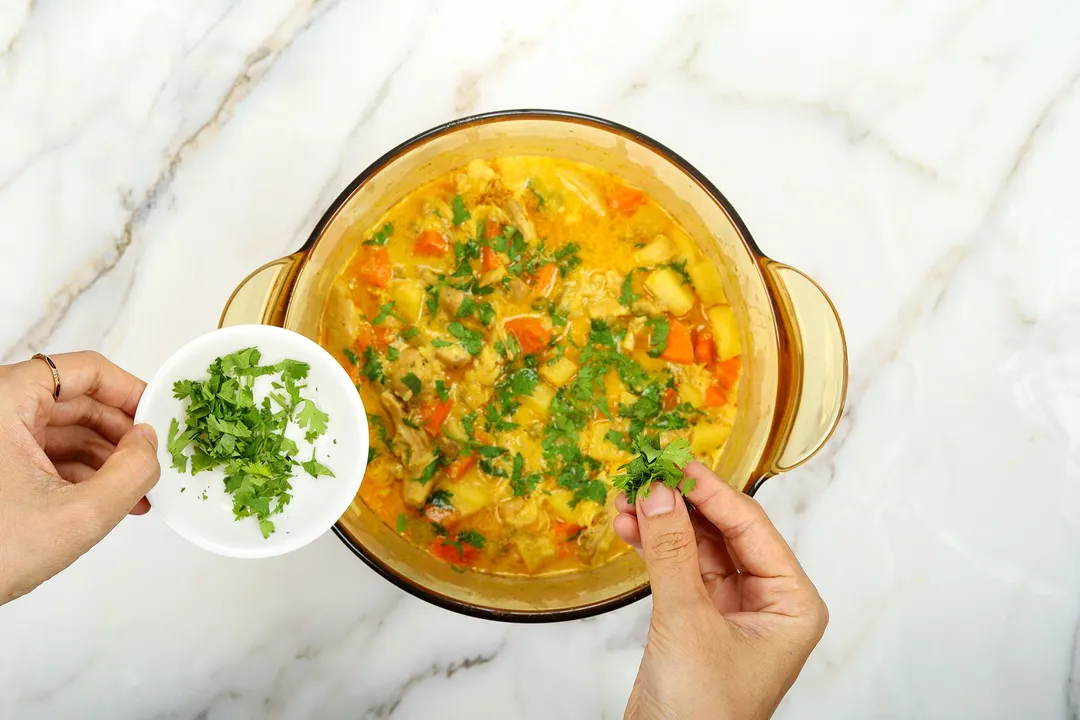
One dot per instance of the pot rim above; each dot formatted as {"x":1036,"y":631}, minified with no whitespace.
{"x":431,"y":596}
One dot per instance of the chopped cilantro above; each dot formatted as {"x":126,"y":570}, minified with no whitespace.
{"x":628,"y":297}
{"x":442,"y":391}
{"x":460,"y":213}
{"x":471,"y":537}
{"x":228,"y":429}
{"x":658,"y":337}
{"x":385,"y":311}
{"x":392,"y":353}
{"x":441,"y":499}
{"x":412,"y":382}
{"x":410,"y":333}
{"x":402,"y":523}
{"x":373,"y":369}
{"x":655,"y":464}
{"x":471,"y":340}
{"x":381,"y":235}
{"x":350,"y":356}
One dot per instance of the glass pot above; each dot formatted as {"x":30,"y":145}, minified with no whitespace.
{"x":795,"y":358}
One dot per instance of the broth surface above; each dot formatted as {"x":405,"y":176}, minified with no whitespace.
{"x":511,"y":326}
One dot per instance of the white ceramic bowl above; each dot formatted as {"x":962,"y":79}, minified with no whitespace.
{"x":317,"y":503}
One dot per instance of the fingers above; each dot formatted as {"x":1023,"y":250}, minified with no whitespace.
{"x":124,"y":479}
{"x":74,"y":471}
{"x":110,"y":422}
{"x":86,"y":373}
{"x":669,"y":549}
{"x":714,"y":559}
{"x":626,"y":527}
{"x":756,"y":545}
{"x":79,"y":444}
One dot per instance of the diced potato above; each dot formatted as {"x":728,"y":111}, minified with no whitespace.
{"x":670,"y":293}
{"x":658,"y":252}
{"x":707,"y":438}
{"x":581,"y":514}
{"x":725,"y":332}
{"x":409,"y":300}
{"x":469,"y":493}
{"x":415,"y":493}
{"x":691,"y":394}
{"x":599,"y":447}
{"x":707,"y":282}
{"x":685,"y":247}
{"x":559,"y":372}
{"x":540,"y":400}
{"x":535,"y":548}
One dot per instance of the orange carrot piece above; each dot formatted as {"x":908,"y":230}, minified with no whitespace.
{"x":376,"y":269}
{"x":530,"y":333}
{"x":466,"y":555}
{"x":461,"y":465}
{"x":704,"y":348}
{"x":626,"y":200}
{"x":431,"y":243}
{"x":491,"y":229}
{"x":489,"y":259}
{"x":715,"y":396}
{"x":680,"y":348}
{"x":434,"y":414}
{"x":543,"y":280}
{"x":727,"y":372}
{"x":669,"y":400}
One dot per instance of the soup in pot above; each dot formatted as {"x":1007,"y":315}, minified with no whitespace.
{"x":511,"y":326}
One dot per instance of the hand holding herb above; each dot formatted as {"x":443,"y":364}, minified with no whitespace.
{"x":654,"y":464}
{"x":734,"y":616}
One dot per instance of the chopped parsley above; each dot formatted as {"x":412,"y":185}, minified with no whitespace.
{"x":471,"y":340}
{"x":385,"y":311}
{"x":659,"y":327}
{"x":472,"y":537}
{"x":373,"y":369}
{"x":441,"y":499}
{"x":402,"y":523}
{"x":350,"y":356}
{"x":442,"y":391}
{"x":628,"y":297}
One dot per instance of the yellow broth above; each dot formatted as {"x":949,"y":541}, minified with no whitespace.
{"x":511,"y":326}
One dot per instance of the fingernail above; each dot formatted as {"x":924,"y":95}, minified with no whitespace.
{"x":660,"y":501}
{"x":149,"y":433}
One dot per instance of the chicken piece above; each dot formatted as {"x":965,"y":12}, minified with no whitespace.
{"x":413,"y":447}
{"x":599,"y":536}
{"x":342,"y":317}
{"x":606,"y":308}
{"x":411,"y":362}
{"x":519,"y":291}
{"x":450,"y":300}
{"x":519,"y":512}
{"x":522,"y":221}
{"x":453,"y":356}
{"x":486,"y":370}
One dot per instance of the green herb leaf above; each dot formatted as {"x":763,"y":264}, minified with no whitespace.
{"x":458,"y":208}
{"x":381,"y":235}
{"x":472,"y":537}
{"x":350,"y":356}
{"x":441,"y":499}
{"x":402,"y":523}
{"x":412,"y":382}
{"x":442,"y":391}
{"x":658,"y":337}
{"x":652,"y":464}
{"x":472,"y":341}
{"x":385,"y":311}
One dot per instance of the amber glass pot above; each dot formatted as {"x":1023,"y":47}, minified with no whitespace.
{"x":795,"y":359}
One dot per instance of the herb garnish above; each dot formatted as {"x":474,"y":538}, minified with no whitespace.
{"x":229,"y":429}
{"x":655,"y":464}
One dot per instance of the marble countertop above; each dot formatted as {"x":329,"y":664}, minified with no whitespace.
{"x":918,"y":159}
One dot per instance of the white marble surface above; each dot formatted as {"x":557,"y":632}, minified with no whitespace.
{"x":919,"y":159}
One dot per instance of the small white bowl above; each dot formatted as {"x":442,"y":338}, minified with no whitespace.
{"x":317,"y":503}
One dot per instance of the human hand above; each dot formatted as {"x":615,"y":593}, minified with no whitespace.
{"x":70,"y":468}
{"x":734,"y":616}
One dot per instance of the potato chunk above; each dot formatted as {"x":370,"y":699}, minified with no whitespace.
{"x":707,"y":282}
{"x":670,"y":293}
{"x":536,"y":549}
{"x":408,"y":300}
{"x":725,"y":332}
{"x":658,"y":252}
{"x":707,"y":438}
{"x":559,"y":372}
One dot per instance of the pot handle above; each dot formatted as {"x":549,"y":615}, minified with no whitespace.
{"x":257,"y":300}
{"x":813,"y":366}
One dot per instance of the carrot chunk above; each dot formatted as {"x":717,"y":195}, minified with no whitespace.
{"x":530,"y":333}
{"x":434,"y":414}
{"x":680,"y":348}
{"x":626,"y":200}
{"x":431,"y":243}
{"x":376,"y":269}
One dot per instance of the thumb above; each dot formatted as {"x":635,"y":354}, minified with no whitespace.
{"x":124,"y":478}
{"x":669,"y":547}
